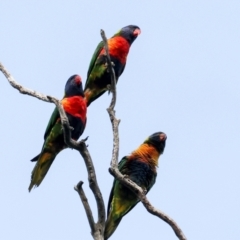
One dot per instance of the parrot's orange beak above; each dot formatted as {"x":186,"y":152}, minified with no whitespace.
{"x":163,"y":136}
{"x":137,"y":31}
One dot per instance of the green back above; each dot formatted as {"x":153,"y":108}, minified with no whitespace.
{"x":125,"y":171}
{"x":93,"y":60}
{"x":96,"y":54}
{"x":121,"y":165}
{"x":52,"y":121}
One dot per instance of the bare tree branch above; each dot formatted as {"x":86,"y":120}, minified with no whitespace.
{"x":20,"y":88}
{"x":94,"y":185}
{"x":87,"y":208}
{"x":97,"y":231}
{"x":114,"y":162}
{"x":110,"y":69}
{"x":97,"y":228}
{"x":111,"y":111}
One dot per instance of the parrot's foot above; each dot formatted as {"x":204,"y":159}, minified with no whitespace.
{"x":85,"y":139}
{"x":70,"y":127}
{"x":144,"y":190}
{"x":109,"y":89}
{"x":106,"y":65}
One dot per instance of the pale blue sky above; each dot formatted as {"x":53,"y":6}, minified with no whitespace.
{"x":182,"y":78}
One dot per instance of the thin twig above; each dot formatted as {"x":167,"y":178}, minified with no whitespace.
{"x":93,"y":184}
{"x":20,"y":88}
{"x":111,"y":111}
{"x":110,"y":69}
{"x":87,"y":208}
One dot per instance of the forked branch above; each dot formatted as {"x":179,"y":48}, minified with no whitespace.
{"x":96,"y":228}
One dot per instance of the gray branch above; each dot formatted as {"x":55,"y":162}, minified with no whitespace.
{"x":110,"y":69}
{"x":87,"y":208}
{"x":114,"y":162}
{"x":20,"y":88}
{"x":111,"y":111}
{"x":97,"y":229}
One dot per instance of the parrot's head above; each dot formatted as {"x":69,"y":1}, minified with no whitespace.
{"x":129,"y":32}
{"x":158,"y":140}
{"x":74,"y":87}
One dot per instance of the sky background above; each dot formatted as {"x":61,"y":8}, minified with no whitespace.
{"x":182,"y":78}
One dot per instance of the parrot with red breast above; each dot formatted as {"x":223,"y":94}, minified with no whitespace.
{"x":75,"y":107}
{"x":98,"y":76}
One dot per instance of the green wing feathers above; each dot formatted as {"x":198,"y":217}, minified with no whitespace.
{"x":121,"y":201}
{"x":93,"y":60}
{"x":54,"y":143}
{"x":52,"y":121}
{"x":111,"y":226}
{"x":41,"y":168}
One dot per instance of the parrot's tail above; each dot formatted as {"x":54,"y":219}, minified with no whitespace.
{"x":110,"y":226}
{"x":40,"y":170}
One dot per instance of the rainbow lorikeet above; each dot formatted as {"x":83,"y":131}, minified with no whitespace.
{"x":98,"y":76}
{"x":75,"y":107}
{"x":140,"y":166}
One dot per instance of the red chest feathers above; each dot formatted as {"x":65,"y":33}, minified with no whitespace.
{"x":118,"y":48}
{"x":76,"y":106}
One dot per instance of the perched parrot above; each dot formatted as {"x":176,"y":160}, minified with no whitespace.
{"x":140,"y":166}
{"x":75,"y":107}
{"x":98,"y":76}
